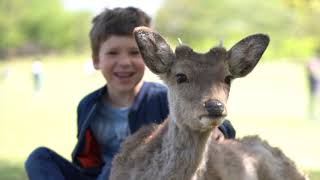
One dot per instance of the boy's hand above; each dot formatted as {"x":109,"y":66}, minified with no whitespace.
{"x":218,"y":135}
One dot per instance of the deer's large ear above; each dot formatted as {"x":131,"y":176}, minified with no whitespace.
{"x":155,"y":51}
{"x":245,"y":55}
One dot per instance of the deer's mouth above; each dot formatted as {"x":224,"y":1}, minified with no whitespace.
{"x":212,"y":120}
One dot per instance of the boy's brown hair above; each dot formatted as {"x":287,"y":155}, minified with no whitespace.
{"x":117,"y":21}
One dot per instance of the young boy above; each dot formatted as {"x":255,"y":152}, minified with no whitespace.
{"x":108,"y":115}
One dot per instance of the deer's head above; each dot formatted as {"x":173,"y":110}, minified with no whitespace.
{"x":199,"y":84}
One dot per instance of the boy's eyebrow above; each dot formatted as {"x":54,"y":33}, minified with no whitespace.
{"x":117,"y":48}
{"x":112,"y":48}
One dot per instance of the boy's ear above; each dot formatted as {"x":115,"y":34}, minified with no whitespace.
{"x":154,"y":49}
{"x":245,"y":55}
{"x":95,"y":61}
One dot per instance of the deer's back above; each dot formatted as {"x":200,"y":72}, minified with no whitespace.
{"x":249,"y":158}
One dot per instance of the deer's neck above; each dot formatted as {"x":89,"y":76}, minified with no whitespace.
{"x":182,"y":151}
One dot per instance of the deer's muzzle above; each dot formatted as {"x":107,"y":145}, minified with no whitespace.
{"x":214,"y":107}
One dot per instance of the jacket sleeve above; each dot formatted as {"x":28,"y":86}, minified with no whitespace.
{"x":227,"y":129}
{"x":105,"y":171}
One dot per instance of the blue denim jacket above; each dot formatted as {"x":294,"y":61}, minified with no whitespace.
{"x":150,"y":106}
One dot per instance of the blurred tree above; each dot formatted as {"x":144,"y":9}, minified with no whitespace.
{"x":308,"y":15}
{"x":37,"y":26}
{"x":203,"y":23}
{"x":10,"y":36}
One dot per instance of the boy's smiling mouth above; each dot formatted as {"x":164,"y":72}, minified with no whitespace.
{"x":123,"y":75}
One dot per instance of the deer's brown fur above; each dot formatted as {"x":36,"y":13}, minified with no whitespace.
{"x":198,"y":89}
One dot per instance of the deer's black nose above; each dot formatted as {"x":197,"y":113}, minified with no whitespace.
{"x":214,"y":107}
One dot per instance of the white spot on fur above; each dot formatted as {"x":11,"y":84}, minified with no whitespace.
{"x":202,"y":168}
{"x":249,"y":165}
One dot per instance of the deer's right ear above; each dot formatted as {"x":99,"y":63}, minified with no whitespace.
{"x":155,"y":51}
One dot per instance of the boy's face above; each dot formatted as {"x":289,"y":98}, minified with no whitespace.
{"x":120,"y":62}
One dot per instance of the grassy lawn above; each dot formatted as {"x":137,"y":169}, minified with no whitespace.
{"x":270,"y":102}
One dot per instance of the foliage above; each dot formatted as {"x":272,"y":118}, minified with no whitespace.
{"x":29,"y":26}
{"x":200,"y":23}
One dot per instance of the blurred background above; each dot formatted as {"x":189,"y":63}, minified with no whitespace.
{"x":45,"y":69}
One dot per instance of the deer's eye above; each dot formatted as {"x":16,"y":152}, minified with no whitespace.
{"x":228,"y":80}
{"x":181,"y":78}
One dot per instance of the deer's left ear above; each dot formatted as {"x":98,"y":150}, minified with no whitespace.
{"x":156,"y":52}
{"x":245,"y":55}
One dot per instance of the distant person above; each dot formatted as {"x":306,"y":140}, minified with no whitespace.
{"x":313,"y":73}
{"x":37,"y":73}
{"x":111,"y":113}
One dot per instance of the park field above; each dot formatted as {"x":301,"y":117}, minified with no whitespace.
{"x":271,"y":101}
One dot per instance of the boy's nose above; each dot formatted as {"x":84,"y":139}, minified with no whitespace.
{"x":125,"y":61}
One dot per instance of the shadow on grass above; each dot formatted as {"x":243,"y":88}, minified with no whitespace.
{"x":10,"y":171}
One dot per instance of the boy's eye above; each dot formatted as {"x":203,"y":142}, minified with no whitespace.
{"x":112,"y":52}
{"x":135,"y":52}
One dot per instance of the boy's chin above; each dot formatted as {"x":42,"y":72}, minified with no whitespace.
{"x":125,"y":87}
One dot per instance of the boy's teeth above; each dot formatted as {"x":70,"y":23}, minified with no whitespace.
{"x":123,"y":74}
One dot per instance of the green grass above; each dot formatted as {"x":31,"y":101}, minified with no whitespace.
{"x":270,"y":102}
